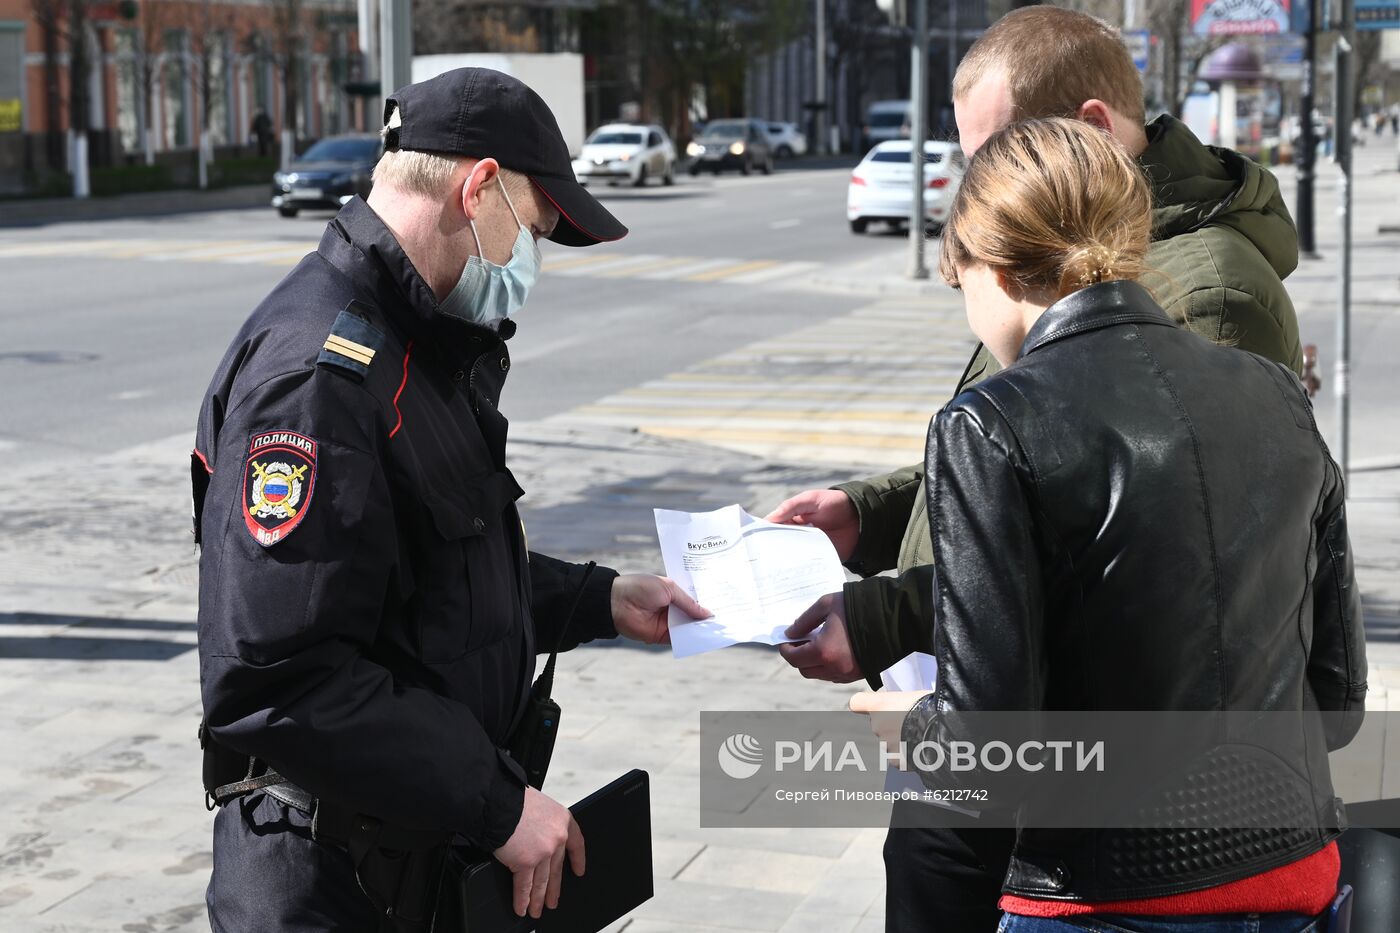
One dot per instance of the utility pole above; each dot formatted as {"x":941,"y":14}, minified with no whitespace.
{"x":819,"y":53}
{"x":395,"y":45}
{"x":1306,"y":157}
{"x":918,"y":130}
{"x":1342,"y":62}
{"x":367,"y":28}
{"x":952,"y":45}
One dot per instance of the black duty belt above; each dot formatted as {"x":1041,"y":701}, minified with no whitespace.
{"x":330,"y":823}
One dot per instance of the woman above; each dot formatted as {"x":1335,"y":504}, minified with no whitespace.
{"x":1127,"y":517}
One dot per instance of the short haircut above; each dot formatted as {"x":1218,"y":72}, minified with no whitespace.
{"x":1053,"y":204}
{"x":422,"y":173}
{"x":428,"y":173}
{"x":1054,"y":60}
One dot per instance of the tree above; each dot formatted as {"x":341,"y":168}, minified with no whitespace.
{"x":209,"y":33}
{"x":709,"y":43}
{"x":154,"y":21}
{"x":289,"y":33}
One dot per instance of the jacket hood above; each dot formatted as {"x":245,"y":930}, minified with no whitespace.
{"x":1194,"y":185}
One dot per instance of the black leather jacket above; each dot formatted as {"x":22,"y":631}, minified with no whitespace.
{"x":1133,"y":518}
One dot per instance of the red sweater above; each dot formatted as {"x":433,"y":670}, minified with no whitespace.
{"x":1306,"y":886}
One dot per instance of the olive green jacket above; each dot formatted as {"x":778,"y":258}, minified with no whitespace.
{"x":1222,"y":243}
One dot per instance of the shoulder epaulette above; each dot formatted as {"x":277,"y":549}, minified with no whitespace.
{"x":353,"y":342}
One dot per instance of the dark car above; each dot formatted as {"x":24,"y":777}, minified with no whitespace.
{"x":741,"y":144}
{"x":327,"y":175}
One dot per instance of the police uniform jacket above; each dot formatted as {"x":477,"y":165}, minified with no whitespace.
{"x":369,"y":613}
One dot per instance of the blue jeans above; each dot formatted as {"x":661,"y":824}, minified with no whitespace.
{"x":1207,"y":923}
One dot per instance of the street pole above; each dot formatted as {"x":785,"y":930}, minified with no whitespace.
{"x":1306,"y":157}
{"x":395,"y":45}
{"x":1342,"y":62}
{"x":819,"y":53}
{"x":367,"y":30}
{"x":952,"y":45}
{"x":918,"y":108}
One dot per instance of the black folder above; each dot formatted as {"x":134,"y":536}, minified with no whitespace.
{"x":616,"y":825}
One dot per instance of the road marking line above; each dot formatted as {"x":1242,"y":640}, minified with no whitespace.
{"x":613,"y":264}
{"x":780,"y":271}
{"x":715,"y":275}
{"x":677,"y":272}
{"x":55,"y":249}
{"x":646,"y":267}
{"x":187,"y":251}
{"x":839,"y":393}
{"x":555,"y":265}
{"x":794,"y":415}
{"x":291,"y":252}
{"x":759,"y":436}
{"x":785,"y":224}
{"x":250,"y":251}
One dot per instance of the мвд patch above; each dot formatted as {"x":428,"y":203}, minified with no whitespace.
{"x":277,"y":484}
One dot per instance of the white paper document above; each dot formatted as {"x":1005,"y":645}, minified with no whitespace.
{"x":755,"y":576}
{"x":914,"y":671}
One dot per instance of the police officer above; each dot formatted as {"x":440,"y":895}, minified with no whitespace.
{"x":369,"y":612}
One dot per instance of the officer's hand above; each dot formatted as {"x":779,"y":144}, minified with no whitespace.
{"x":535,"y":853}
{"x":830,"y":510}
{"x":828,"y":656}
{"x":641,"y":604}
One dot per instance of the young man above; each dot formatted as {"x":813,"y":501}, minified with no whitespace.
{"x":369,"y":611}
{"x":1223,"y":241}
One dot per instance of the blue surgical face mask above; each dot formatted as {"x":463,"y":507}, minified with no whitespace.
{"x":487,"y":292}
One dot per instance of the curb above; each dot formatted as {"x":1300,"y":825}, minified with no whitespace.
{"x":33,"y":213}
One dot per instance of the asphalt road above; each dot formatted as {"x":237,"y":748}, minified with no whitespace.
{"x":112,"y":328}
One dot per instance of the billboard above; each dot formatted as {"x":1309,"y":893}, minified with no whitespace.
{"x":1240,"y":17}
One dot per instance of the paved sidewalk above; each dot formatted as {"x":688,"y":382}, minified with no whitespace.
{"x":101,"y":819}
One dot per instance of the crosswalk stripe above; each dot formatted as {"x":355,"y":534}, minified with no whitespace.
{"x":555,"y":265}
{"x":646,"y":267}
{"x":735,"y":414}
{"x":766,"y":437}
{"x":250,"y":251}
{"x":292,"y":253}
{"x":612,"y":263}
{"x":804,"y":392}
{"x":187,"y":251}
{"x":780,"y":271}
{"x":725,"y":272}
{"x":684,"y":271}
{"x":52,"y":249}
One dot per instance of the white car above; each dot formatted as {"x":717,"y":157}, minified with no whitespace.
{"x":786,"y":139}
{"x":626,"y":152}
{"x":880,"y":187}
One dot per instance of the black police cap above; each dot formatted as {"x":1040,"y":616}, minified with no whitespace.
{"x":480,"y":113}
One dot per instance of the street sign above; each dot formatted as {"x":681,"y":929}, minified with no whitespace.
{"x":1139,"y":42}
{"x":1378,"y":14}
{"x":1237,"y":17}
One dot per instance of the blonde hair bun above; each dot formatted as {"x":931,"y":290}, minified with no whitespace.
{"x":1054,"y":205}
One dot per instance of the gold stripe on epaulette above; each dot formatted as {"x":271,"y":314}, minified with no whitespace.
{"x":355,"y":351}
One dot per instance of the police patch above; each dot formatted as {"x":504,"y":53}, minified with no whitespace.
{"x":277,"y":484}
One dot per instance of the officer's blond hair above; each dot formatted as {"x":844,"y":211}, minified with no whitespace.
{"x":425,"y":173}
{"x":429,"y":174}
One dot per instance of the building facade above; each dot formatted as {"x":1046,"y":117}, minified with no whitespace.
{"x":159,"y":75}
